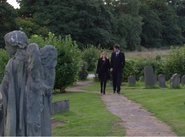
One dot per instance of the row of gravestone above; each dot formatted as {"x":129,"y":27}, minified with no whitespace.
{"x":151,"y":79}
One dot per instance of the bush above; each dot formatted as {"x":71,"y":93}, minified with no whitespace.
{"x":130,"y":69}
{"x":83,"y":71}
{"x":175,"y":62}
{"x":91,"y":55}
{"x":68,"y":58}
{"x":4,"y":58}
{"x":136,"y":68}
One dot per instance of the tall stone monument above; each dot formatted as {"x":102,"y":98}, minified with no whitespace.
{"x":27,"y":87}
{"x":150,"y":78}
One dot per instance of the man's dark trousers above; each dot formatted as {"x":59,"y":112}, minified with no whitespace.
{"x":117,"y":75}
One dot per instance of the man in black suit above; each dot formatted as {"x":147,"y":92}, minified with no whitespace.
{"x":117,"y":65}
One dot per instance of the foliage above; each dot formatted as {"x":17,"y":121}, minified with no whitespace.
{"x":130,"y":23}
{"x":157,"y":65}
{"x":4,"y":57}
{"x":83,"y":73}
{"x":68,"y":58}
{"x":30,"y":27}
{"x":90,"y":55}
{"x":175,"y":63}
{"x":7,"y":20}
{"x":130,"y":69}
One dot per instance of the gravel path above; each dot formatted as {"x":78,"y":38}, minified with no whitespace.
{"x":138,"y":122}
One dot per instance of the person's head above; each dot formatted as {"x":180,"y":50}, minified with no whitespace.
{"x":15,"y":40}
{"x":103,"y":55}
{"x":116,"y":48}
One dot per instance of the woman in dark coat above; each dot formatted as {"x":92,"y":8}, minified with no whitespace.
{"x":103,"y":71}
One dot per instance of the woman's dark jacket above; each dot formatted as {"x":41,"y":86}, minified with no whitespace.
{"x":103,"y":69}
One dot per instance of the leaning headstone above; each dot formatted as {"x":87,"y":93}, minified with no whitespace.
{"x":59,"y":107}
{"x":183,"y":80}
{"x":149,"y":76}
{"x":131,"y":80}
{"x":175,"y":80}
{"x":161,"y":80}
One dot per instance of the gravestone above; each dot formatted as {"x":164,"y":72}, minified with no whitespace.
{"x":175,"y":80}
{"x":155,"y":78}
{"x":149,"y":76}
{"x":131,"y":80}
{"x":161,"y":80}
{"x":27,"y":87}
{"x":183,"y":80}
{"x":59,"y":107}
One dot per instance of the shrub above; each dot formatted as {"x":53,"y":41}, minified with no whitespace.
{"x":83,"y":71}
{"x":175,"y":62}
{"x":91,"y":55}
{"x":158,"y":67}
{"x":130,"y":69}
{"x":68,"y":58}
{"x":4,"y":57}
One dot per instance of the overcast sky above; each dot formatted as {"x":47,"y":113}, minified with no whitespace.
{"x":13,"y":3}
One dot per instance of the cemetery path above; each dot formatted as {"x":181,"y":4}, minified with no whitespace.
{"x":79,"y":85}
{"x":138,"y":122}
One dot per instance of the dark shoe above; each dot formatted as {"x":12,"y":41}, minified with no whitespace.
{"x":118,"y":92}
{"x":114,"y":92}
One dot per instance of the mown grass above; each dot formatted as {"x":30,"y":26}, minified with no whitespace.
{"x":87,"y":117}
{"x":166,"y":104}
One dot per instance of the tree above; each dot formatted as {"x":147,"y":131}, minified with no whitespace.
{"x":7,"y":20}
{"x":151,"y":36}
{"x":88,"y":22}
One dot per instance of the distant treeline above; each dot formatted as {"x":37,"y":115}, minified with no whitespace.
{"x":130,"y":23}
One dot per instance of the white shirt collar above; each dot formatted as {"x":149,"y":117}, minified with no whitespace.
{"x":118,"y":52}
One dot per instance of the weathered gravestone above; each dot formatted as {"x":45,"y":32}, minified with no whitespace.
{"x":59,"y":106}
{"x":155,"y":78}
{"x":161,"y":80}
{"x":175,"y":80}
{"x":150,"y":78}
{"x":131,"y":80}
{"x":183,"y":80}
{"x":27,"y":87}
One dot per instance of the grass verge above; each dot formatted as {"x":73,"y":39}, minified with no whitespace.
{"x":87,"y":117}
{"x":166,"y":104}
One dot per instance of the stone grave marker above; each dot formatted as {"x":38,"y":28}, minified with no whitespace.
{"x":131,"y":80}
{"x":175,"y":80}
{"x":149,"y":76}
{"x":161,"y":80}
{"x":183,"y":80}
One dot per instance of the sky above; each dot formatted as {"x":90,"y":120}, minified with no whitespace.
{"x":13,"y":3}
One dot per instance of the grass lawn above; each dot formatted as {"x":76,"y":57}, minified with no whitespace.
{"x":166,"y":104}
{"x":87,"y":117}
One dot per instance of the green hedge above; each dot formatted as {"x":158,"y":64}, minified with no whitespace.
{"x":68,"y":58}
